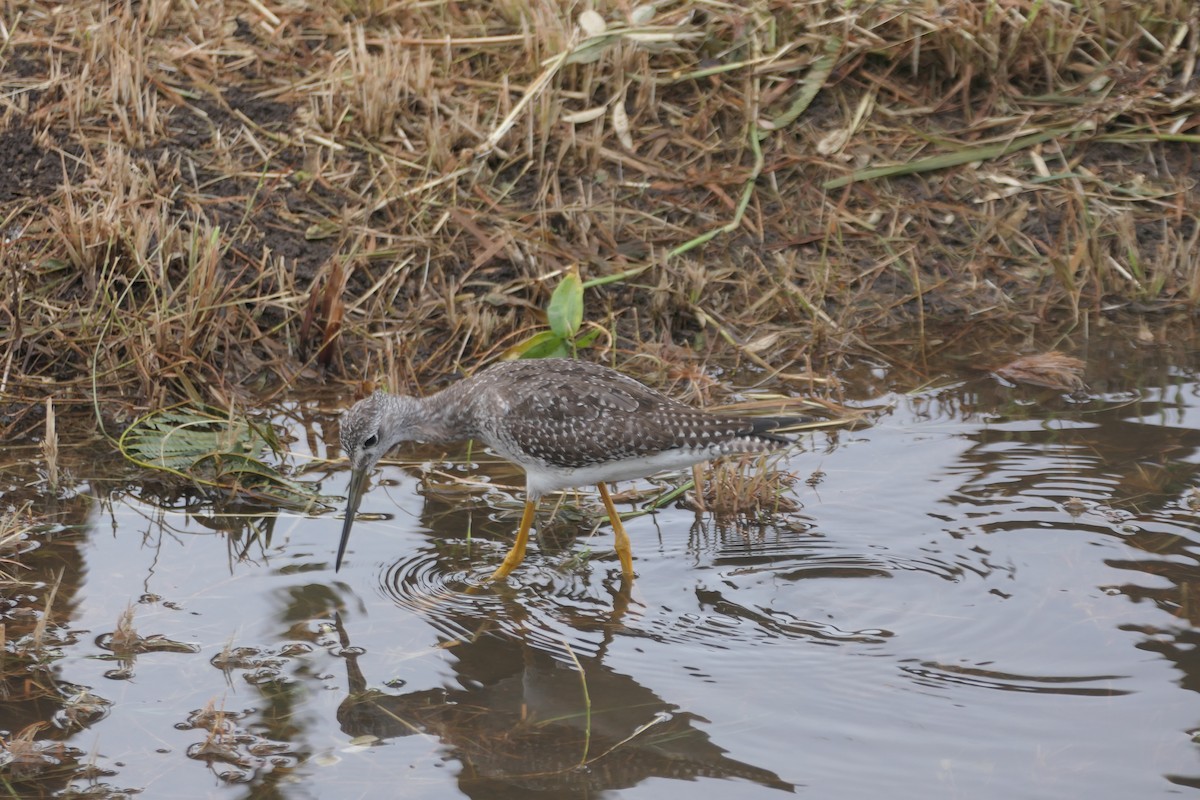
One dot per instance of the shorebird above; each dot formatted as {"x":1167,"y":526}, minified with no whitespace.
{"x":567,"y":423}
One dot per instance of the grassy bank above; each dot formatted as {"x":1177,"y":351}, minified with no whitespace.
{"x":205,"y":198}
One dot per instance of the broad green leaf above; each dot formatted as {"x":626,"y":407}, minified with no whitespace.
{"x":218,"y":452}
{"x":546,"y":344}
{"x":565,"y":312}
{"x":540,"y":345}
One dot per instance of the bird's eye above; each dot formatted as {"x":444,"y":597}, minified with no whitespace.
{"x":370,"y":441}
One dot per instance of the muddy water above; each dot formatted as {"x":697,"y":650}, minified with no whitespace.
{"x":988,"y":593}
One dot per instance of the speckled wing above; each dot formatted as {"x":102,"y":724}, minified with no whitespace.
{"x":576,"y":414}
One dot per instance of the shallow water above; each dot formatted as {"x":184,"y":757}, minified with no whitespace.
{"x":985,"y":594}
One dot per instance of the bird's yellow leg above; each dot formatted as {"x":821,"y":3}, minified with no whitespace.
{"x":517,"y":554}
{"x":624,"y":550}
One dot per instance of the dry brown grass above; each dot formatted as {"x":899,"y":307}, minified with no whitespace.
{"x":1052,"y":370}
{"x":204,"y":197}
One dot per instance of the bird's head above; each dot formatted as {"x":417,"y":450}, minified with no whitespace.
{"x":369,"y":429}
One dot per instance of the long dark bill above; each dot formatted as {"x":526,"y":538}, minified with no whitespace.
{"x":358,"y":480}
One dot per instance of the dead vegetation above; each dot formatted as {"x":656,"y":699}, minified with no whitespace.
{"x":1052,"y":370}
{"x":203,"y":198}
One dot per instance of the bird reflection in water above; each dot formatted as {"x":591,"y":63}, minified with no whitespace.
{"x":523,"y":722}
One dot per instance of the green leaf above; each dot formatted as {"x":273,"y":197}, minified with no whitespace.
{"x":588,"y":338}
{"x":536,"y":346}
{"x":951,"y":159}
{"x":565,"y":312}
{"x":546,"y":344}
{"x":217,"y":452}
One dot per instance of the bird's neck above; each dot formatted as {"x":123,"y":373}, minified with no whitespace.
{"x":444,"y":417}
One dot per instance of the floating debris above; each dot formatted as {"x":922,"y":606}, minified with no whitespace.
{"x":218,"y":452}
{"x":1053,"y":370}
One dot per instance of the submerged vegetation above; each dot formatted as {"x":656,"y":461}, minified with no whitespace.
{"x":221,"y":454}
{"x":204,"y":198}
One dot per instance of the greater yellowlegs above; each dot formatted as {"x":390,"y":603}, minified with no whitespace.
{"x":567,"y":423}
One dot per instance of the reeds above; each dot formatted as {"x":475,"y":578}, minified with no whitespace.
{"x":210,"y":193}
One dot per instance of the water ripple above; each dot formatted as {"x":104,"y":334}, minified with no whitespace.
{"x":562,"y":605}
{"x":936,"y":675}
